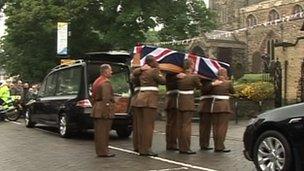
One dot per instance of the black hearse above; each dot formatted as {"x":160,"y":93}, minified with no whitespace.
{"x":64,"y":99}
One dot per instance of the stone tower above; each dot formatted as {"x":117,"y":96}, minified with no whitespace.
{"x":228,"y":12}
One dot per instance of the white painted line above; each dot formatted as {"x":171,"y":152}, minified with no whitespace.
{"x":180,"y":168}
{"x":163,"y":133}
{"x":211,"y":136}
{"x":165,"y":160}
{"x":155,"y":158}
{"x":18,"y":123}
{"x":182,"y":164}
{"x":123,"y":150}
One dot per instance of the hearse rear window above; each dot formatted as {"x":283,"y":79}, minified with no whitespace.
{"x":119,"y":79}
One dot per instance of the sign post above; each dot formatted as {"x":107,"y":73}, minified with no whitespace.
{"x":62,"y":38}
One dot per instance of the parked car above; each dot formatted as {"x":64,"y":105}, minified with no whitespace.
{"x":274,"y":140}
{"x":64,"y":99}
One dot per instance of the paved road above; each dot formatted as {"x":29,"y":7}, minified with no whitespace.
{"x":42,"y":149}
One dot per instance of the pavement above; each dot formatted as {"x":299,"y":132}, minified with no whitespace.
{"x":41,"y":148}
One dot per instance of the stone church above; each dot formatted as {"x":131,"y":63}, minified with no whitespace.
{"x":253,"y":33}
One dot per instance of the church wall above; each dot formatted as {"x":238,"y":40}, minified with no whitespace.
{"x":294,"y":55}
{"x":256,"y":38}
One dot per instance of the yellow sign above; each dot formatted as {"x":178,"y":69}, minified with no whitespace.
{"x":67,"y":61}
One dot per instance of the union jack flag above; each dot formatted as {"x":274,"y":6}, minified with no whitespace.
{"x":171,"y":60}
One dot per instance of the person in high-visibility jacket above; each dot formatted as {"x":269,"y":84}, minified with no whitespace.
{"x":4,"y":94}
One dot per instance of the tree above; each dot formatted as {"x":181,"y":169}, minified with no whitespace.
{"x":29,"y":46}
{"x":184,"y":19}
{"x":95,"y":25}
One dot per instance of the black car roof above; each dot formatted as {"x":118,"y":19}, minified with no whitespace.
{"x":118,"y":57}
{"x":110,"y":56}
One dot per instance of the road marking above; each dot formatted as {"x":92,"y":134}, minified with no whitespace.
{"x":123,"y":150}
{"x":155,"y":158}
{"x":18,"y":123}
{"x":159,"y":132}
{"x":227,"y":138}
{"x":180,"y":168}
{"x":163,"y":133}
{"x":165,"y":160}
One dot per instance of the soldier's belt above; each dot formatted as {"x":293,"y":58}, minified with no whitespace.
{"x":221,"y":97}
{"x":180,"y":92}
{"x":148,"y":88}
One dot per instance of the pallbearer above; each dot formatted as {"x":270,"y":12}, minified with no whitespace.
{"x":135,"y":85}
{"x":146,"y":104}
{"x":171,"y":109}
{"x":216,"y":111}
{"x":186,"y":84}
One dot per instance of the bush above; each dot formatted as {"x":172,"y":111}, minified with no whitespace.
{"x":255,"y":91}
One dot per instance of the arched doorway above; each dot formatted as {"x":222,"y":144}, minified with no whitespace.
{"x":224,"y":54}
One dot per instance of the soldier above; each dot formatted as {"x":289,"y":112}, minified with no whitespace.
{"x":135,"y":85}
{"x":186,"y":107}
{"x":171,"y":109}
{"x":103,"y":110}
{"x":204,"y":126}
{"x":146,"y":104}
{"x":216,"y":111}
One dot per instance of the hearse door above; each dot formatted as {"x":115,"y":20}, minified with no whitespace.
{"x":43,"y":105}
{"x":68,"y":86}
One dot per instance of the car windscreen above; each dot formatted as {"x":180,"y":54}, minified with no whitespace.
{"x":119,"y":79}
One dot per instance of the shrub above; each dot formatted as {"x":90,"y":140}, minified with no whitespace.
{"x":255,"y":91}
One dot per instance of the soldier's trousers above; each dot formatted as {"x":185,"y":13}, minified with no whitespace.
{"x":184,"y":130}
{"x":219,"y":122}
{"x":135,"y":129}
{"x":145,"y":128}
{"x":171,"y":129}
{"x":102,"y":128}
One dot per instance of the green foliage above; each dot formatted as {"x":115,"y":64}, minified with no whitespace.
{"x":255,"y":91}
{"x":31,"y":34}
{"x":252,"y":87}
{"x":120,"y":83}
{"x":162,"y":89}
{"x":29,"y":48}
{"x":152,"y":36}
{"x":184,"y":19}
{"x":251,"y":78}
{"x":180,"y":48}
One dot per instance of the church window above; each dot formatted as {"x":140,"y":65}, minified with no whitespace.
{"x":251,"y":20}
{"x":273,"y":15}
